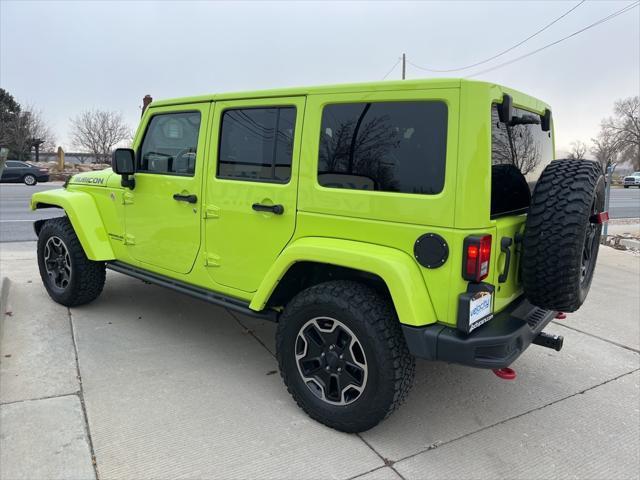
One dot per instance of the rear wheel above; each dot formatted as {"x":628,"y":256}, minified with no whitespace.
{"x":70,"y":278}
{"x":562,"y":234}
{"x":342,"y":355}
{"x":29,"y":179}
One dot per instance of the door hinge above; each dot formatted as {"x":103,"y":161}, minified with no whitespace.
{"x":129,"y":239}
{"x":211,"y":211}
{"x":127,"y":198}
{"x":211,"y":260}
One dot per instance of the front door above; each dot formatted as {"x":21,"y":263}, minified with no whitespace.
{"x":251,"y":190}
{"x":13,"y":171}
{"x":162,"y":212}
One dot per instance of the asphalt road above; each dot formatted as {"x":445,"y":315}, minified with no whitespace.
{"x":16,"y":219}
{"x":624,"y":203}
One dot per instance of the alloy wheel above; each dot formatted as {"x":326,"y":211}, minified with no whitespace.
{"x":57,"y":262}
{"x":590,"y":246}
{"x":331,"y":361}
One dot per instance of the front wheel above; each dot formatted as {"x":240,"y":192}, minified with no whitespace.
{"x":70,"y":278}
{"x":342,"y":355}
{"x":29,"y":180}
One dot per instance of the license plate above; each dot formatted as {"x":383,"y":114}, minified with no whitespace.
{"x":480,"y":309}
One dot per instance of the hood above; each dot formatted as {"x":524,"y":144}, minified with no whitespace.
{"x":95,"y":179}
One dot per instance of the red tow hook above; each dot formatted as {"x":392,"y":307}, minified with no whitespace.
{"x":505,"y":373}
{"x":561,"y":315}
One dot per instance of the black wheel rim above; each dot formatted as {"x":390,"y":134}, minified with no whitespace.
{"x":331,"y":361}
{"x":590,"y":246}
{"x":57,"y":263}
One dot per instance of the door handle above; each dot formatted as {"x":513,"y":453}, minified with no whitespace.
{"x":185,"y":198}
{"x":505,"y":245}
{"x":276,"y":209}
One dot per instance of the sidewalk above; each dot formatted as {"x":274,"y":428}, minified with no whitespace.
{"x":176,"y":388}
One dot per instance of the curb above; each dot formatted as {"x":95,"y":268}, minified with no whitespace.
{"x":4,"y":298}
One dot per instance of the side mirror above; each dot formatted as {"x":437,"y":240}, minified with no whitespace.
{"x":123,"y":162}
{"x":505,"y":109}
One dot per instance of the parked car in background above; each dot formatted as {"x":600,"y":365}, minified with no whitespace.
{"x":632,"y":180}
{"x":16,"y":171}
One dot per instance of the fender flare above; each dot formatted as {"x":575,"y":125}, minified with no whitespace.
{"x":85,"y":218}
{"x":396,"y":268}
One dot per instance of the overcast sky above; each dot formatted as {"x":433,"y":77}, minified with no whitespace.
{"x":64,"y":57}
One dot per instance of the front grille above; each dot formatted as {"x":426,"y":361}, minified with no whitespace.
{"x":536,"y":316}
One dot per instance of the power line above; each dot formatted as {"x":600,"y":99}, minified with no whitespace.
{"x":502,"y":52}
{"x":392,"y":68}
{"x":602,"y":20}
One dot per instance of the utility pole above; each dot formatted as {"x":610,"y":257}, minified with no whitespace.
{"x":404,"y":65}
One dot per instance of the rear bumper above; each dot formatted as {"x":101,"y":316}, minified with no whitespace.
{"x":43,"y":177}
{"x":496,"y":344}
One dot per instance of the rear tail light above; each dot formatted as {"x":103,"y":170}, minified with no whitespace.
{"x":476,"y":257}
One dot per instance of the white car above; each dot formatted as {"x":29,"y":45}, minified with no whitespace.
{"x":632,"y":180}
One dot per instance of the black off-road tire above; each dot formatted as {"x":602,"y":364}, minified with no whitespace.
{"x":391,"y":368}
{"x":559,"y":234}
{"x":86,"y":278}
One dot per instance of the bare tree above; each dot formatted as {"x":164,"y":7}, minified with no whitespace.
{"x":578,"y":150}
{"x":624,"y":127}
{"x":98,"y":131}
{"x":605,"y":148}
{"x":26,"y":130}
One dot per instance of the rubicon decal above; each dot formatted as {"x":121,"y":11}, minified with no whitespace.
{"x":96,"y":180}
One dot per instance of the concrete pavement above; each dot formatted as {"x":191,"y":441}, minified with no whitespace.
{"x":176,"y":388}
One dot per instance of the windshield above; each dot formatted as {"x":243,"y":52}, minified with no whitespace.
{"x":519,"y":153}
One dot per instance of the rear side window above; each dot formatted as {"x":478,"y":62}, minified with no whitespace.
{"x":170,"y":144}
{"x":384,"y":146}
{"x":257,"y":144}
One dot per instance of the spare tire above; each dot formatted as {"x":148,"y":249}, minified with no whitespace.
{"x":562,"y":236}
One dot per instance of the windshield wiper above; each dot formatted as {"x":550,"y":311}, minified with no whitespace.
{"x":525,"y":120}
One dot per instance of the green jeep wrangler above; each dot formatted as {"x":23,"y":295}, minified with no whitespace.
{"x":375,"y":223}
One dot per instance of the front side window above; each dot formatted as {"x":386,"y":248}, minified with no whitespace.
{"x":384,"y":146}
{"x":14,"y":164}
{"x":256,"y":144}
{"x":170,"y":144}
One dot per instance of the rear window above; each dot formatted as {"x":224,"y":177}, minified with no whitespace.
{"x":384,"y":146}
{"x":518,"y":155}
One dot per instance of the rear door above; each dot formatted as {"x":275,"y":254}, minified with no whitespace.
{"x":251,"y":192}
{"x":162,"y":213}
